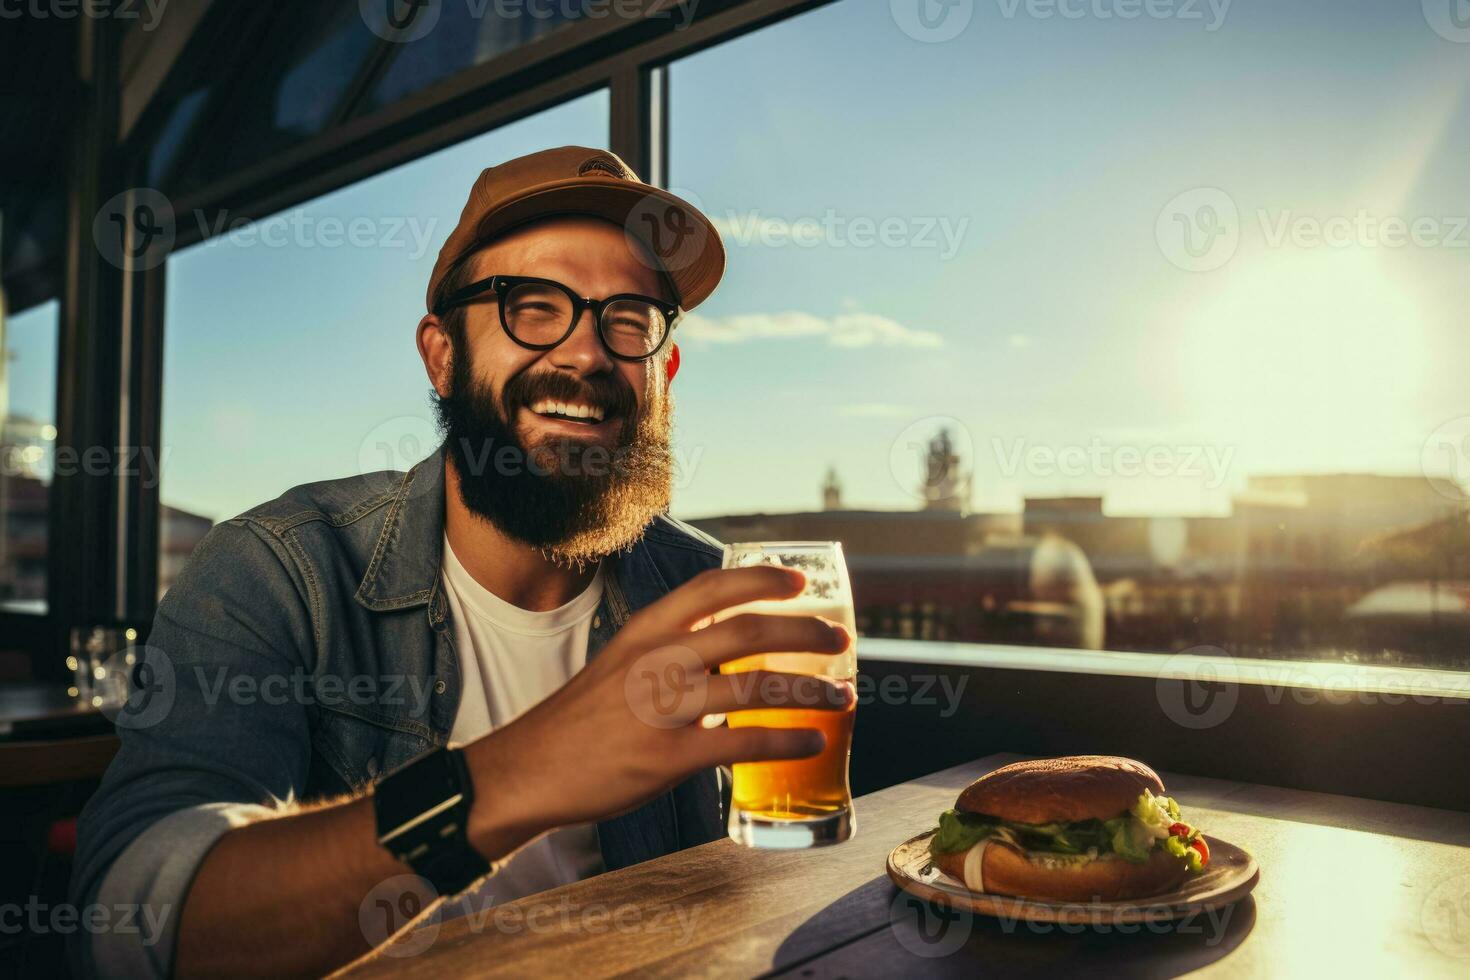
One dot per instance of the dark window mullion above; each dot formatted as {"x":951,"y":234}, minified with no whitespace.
{"x":140,"y":515}
{"x":255,"y":42}
{"x":630,"y":132}
{"x":366,"y":81}
{"x":82,"y":532}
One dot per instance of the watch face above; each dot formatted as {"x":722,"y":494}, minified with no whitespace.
{"x":407,"y":792}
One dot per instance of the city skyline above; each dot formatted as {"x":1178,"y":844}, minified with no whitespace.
{"x":1028,"y":295}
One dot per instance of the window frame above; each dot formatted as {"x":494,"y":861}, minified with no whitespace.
{"x":628,"y":57}
{"x":624,"y":56}
{"x":103,"y":531}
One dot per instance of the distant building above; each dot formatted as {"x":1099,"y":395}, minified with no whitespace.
{"x":1422,"y":609}
{"x":24,"y":529}
{"x":936,"y":575}
{"x":943,"y":573}
{"x":23,"y":535}
{"x":831,"y":492}
{"x":1339,"y":566}
{"x":179,"y":534}
{"x":1275,"y":578}
{"x":946,"y":487}
{"x":24,"y":501}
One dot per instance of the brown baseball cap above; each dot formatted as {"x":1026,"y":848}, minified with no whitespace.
{"x":579,"y":180}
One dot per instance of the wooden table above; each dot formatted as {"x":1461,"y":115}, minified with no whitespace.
{"x":37,"y":710}
{"x":49,"y":737}
{"x":1349,"y":887}
{"x":68,"y":760}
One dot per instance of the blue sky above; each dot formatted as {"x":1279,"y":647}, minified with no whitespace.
{"x":1059,"y":142}
{"x":30,"y":342}
{"x":1053,"y":320}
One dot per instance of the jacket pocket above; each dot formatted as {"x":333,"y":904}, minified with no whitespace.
{"x":359,"y":748}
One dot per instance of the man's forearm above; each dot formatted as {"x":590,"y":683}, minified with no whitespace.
{"x":283,"y":896}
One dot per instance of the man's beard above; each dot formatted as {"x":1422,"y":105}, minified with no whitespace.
{"x":575,"y":501}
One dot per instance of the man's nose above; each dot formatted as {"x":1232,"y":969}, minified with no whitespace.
{"x":583,"y":351}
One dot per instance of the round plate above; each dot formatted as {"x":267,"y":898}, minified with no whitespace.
{"x":1229,"y":877}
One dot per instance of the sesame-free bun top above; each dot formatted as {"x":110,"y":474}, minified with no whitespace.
{"x":1072,"y":788}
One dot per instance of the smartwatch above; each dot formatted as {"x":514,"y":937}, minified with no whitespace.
{"x":423,"y":808}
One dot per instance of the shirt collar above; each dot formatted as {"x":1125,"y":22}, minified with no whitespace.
{"x":404,"y":569}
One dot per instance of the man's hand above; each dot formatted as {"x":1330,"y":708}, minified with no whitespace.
{"x":627,"y":727}
{"x":285,"y":896}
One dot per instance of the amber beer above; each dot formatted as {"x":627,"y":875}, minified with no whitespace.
{"x":799,"y":802}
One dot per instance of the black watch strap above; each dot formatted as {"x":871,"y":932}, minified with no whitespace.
{"x":422,"y":810}
{"x":451,"y":867}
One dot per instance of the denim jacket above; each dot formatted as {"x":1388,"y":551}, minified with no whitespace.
{"x":304,"y":650}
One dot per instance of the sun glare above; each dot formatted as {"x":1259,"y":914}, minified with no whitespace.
{"x":1308,"y":357}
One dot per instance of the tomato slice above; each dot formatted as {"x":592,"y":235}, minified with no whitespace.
{"x":1204,"y":850}
{"x":1179,"y":830}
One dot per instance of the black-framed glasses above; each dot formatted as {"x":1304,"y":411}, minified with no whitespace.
{"x":541,"y":313}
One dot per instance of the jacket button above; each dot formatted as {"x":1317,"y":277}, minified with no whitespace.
{"x":440,"y":687}
{"x":597,"y":622}
{"x":372,"y":767}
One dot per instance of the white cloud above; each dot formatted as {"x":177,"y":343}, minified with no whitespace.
{"x":844,"y":330}
{"x":752,"y":228}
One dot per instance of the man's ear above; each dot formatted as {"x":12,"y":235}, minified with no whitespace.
{"x":436,"y":352}
{"x":671,"y":366}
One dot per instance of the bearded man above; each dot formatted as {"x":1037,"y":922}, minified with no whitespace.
{"x":488,"y":676}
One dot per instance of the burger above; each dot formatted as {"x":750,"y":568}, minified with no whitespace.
{"x":1076,"y":829}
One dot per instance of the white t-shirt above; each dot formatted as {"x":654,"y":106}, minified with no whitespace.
{"x":509,"y":659}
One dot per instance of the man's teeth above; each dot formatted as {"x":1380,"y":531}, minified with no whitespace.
{"x":570,"y":410}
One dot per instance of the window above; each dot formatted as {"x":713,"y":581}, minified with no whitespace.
{"x":27,"y":453}
{"x":1159,"y":363}
{"x":310,"y":66}
{"x":457,"y":36}
{"x":289,"y":348}
{"x":308,"y":58}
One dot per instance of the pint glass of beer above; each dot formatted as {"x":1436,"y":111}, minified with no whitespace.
{"x":799,"y":802}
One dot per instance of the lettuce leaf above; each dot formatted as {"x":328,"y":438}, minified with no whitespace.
{"x":1177,"y":847}
{"x":1062,"y":838}
{"x":1151,"y":810}
{"x":961,"y":831}
{"x":1131,"y":840}
{"x":1132,"y":835}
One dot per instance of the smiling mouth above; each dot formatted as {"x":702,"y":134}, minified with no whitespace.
{"x":578,"y":412}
